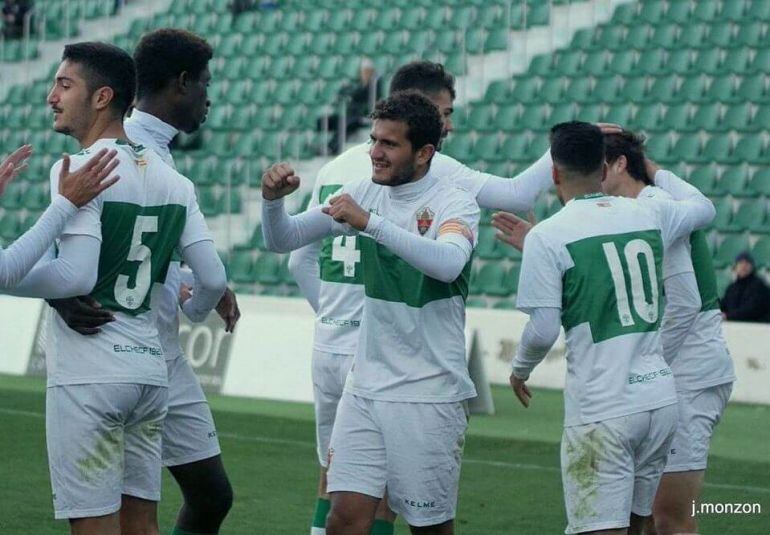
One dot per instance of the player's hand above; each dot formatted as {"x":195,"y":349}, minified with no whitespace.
{"x":185,"y":293}
{"x":610,"y":128}
{"x":84,"y":314}
{"x":511,"y":229}
{"x":81,"y":186}
{"x":521,"y":390}
{"x":228,"y":310}
{"x":651,"y":168}
{"x":13,"y":165}
{"x":345,"y":210}
{"x":278,"y":181}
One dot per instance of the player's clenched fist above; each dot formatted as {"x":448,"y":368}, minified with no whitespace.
{"x":345,"y":210}
{"x":278,"y":181}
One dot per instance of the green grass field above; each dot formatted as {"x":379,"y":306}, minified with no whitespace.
{"x":510,"y":481}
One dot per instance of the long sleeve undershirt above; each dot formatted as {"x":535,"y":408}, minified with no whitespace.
{"x":540,"y":333}
{"x":518,"y":194}
{"x":442,"y":259}
{"x":701,"y":208}
{"x":683,"y":304}
{"x":73,"y":272}
{"x":303,"y":265}
{"x":22,"y":255}
{"x":210,"y":279}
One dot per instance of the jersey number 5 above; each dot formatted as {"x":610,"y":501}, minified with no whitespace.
{"x":633,"y":250}
{"x":132,"y":298}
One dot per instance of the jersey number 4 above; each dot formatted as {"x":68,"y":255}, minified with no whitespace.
{"x":633,"y":251}
{"x":132,"y":298}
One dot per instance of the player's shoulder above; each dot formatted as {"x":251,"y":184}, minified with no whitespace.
{"x":352,"y":165}
{"x":654,"y":192}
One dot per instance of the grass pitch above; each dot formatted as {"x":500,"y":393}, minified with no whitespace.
{"x":510,"y":480}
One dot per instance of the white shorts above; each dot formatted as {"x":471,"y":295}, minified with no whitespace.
{"x":699,"y":412}
{"x":189,"y":433}
{"x":103,"y":440}
{"x":329,"y":371}
{"x":612,"y":468}
{"x":412,"y":449}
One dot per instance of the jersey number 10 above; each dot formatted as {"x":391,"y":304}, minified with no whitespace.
{"x":633,"y":250}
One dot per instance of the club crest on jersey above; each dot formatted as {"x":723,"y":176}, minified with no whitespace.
{"x":424,"y":220}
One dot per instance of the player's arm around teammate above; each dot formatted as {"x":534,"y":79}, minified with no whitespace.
{"x":18,"y":273}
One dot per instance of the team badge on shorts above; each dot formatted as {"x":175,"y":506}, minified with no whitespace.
{"x":424,"y":220}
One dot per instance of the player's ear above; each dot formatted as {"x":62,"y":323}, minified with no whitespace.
{"x":102,"y":97}
{"x":425,"y":154}
{"x":555,"y":175}
{"x":183,"y":81}
{"x":605,"y":167}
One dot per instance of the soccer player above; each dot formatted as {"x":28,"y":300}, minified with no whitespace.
{"x":595,"y":267}
{"x":105,"y":408}
{"x":172,"y":80}
{"x":336,"y":290}
{"x":75,"y":190}
{"x":401,"y":421}
{"x":693,"y":343}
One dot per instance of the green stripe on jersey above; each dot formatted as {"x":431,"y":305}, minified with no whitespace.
{"x":390,"y":278}
{"x":340,"y":257}
{"x":704,"y":271}
{"x":137,"y":245}
{"x":615,"y":285}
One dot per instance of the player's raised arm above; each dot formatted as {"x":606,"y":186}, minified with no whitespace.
{"x":690,"y":211}
{"x":284,"y":233}
{"x":443,"y":258}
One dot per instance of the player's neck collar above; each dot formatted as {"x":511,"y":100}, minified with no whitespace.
{"x":412,"y":190}
{"x":595,"y":195}
{"x":158,"y":128}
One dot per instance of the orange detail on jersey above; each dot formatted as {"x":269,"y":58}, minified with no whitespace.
{"x":457,"y":227}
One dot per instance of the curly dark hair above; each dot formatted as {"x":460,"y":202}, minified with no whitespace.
{"x":578,"y":147}
{"x":417,"y":111}
{"x":162,"y":55}
{"x":631,"y":146}
{"x":105,"y":65}
{"x":424,"y":76}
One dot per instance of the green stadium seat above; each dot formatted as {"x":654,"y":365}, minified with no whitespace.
{"x":538,"y":14}
{"x":480,"y":118}
{"x":462,"y":18}
{"x":459,"y":146}
{"x":734,"y":181}
{"x":736,"y":117}
{"x":595,"y":63}
{"x":552,"y":90}
{"x":267,"y":269}
{"x":659,"y":148}
{"x":678,"y":117}
{"x":707,"y":117}
{"x":758,"y":10}
{"x":734,"y":10}
{"x":634,"y":90}
{"x":693,"y":35}
{"x":609,"y":38}
{"x":476,"y":302}
{"x":717,"y":149}
{"x":724,"y":279}
{"x":730,"y":247}
{"x":10,"y":226}
{"x":562,"y":113}
{"x":490,"y":279}
{"x":338,"y":20}
{"x":581,"y":90}
{"x":720,"y":35}
{"x":486,"y":148}
{"x":590,"y":113}
{"x":724,"y":215}
{"x":760,"y":120}
{"x":761,"y":251}
{"x":618,"y":114}
{"x":514,"y":148}
{"x":533,"y":118}
{"x":663,"y":89}
{"x":761,"y":61}
{"x":497,"y":39}
{"x":622,"y":62}
{"x":487,"y":247}
{"x":693,"y":89}
{"x":11,"y":200}
{"x":637,"y":37}
{"x":542,"y":66}
{"x":680,"y":61}
{"x":708,"y":61}
{"x":242,"y":267}
{"x":737,"y":60}
{"x":750,"y":34}
{"x":704,"y":178}
{"x":750,"y":214}
{"x":705,"y":10}
{"x":652,"y":11}
{"x":583,"y":39}
{"x":567,"y":63}
{"x":525,"y":90}
{"x":760,"y":182}
{"x":210,"y":201}
{"x":537,"y":147}
{"x":749,"y":149}
{"x":625,"y":14}
{"x":507,"y":117}
{"x":722,"y":89}
{"x":665,"y":36}
{"x":35,"y":197}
